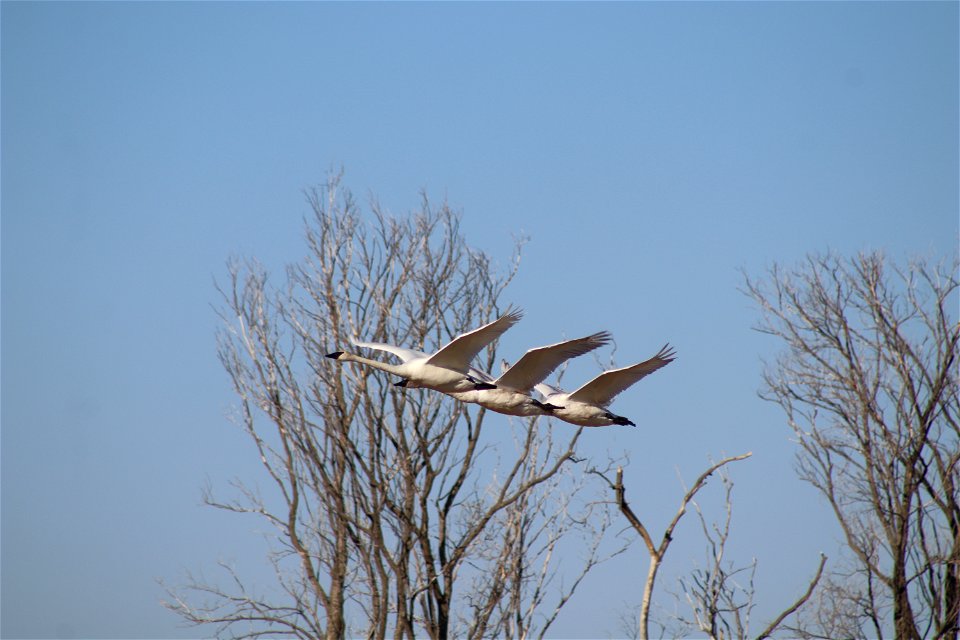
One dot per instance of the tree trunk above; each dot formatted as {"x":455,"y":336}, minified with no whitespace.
{"x":648,"y":596}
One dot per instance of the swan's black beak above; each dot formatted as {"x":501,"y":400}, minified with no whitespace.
{"x":479,"y":385}
{"x":620,"y":420}
{"x":545,"y":406}
{"x":402,"y":383}
{"x":335,"y":355}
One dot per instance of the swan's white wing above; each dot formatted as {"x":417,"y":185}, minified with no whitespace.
{"x":466,"y":346}
{"x":547,"y":390}
{"x":543,"y":388}
{"x":602,"y":389}
{"x":537,"y":364}
{"x":404,"y":354}
{"x":482,"y":376}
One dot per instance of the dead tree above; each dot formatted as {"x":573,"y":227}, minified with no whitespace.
{"x":721,"y":593}
{"x":657,"y":550}
{"x":531,"y":540}
{"x":714,"y":594}
{"x":384,"y":501}
{"x":868,"y":381}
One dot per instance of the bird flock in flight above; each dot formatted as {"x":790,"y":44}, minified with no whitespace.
{"x":449,"y":371}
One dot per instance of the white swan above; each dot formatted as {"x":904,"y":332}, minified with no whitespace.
{"x":446,"y":370}
{"x":587,"y":406}
{"x":512,"y":393}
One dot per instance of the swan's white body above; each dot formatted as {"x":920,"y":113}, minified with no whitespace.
{"x":513,"y":387}
{"x":448,"y":369}
{"x":587,"y":406}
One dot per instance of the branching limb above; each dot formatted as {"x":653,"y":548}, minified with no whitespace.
{"x":766,"y":633}
{"x":657,"y":551}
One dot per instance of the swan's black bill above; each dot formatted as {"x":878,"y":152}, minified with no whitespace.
{"x":620,"y":420}
{"x":545,"y":406}
{"x":335,"y":355}
{"x":401,"y":384}
{"x":479,"y":385}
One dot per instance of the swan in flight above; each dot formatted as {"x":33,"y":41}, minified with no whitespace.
{"x":512,"y":393}
{"x":587,"y":406}
{"x":448,"y":369}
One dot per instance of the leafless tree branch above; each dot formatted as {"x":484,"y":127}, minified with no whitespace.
{"x":868,"y":382}
{"x":657,"y":551}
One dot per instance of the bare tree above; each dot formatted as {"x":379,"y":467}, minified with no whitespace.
{"x":721,"y":594}
{"x":657,"y":550}
{"x":721,"y":607}
{"x":869,"y":385}
{"x":533,"y":538}
{"x":384,"y":501}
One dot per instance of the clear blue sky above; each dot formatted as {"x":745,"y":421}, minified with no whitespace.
{"x":650,"y":150}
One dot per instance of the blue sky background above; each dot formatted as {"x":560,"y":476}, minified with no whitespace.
{"x":650,"y":151}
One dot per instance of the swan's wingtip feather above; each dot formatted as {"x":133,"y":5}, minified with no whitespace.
{"x":513,"y":313}
{"x":667,"y":353}
{"x":602,"y":337}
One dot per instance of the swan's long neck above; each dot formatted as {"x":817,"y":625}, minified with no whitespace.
{"x":376,"y":364}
